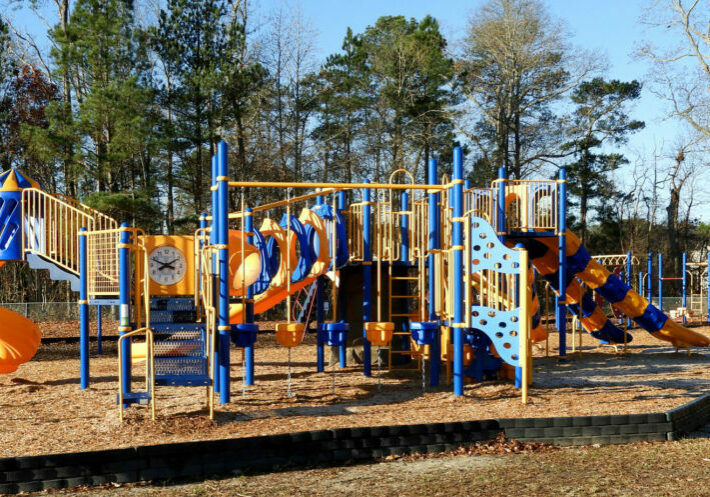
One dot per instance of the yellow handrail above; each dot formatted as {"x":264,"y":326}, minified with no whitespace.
{"x":51,"y":224}
{"x":340,"y":186}
{"x":141,"y":290}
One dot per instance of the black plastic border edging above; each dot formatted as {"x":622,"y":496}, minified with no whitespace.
{"x":331,"y":447}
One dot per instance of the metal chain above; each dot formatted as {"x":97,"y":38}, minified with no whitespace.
{"x":289,"y":394}
{"x":423,"y":370}
{"x":379,"y":365}
{"x":244,"y":377}
{"x":332,"y":369}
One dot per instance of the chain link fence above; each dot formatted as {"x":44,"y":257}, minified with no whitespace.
{"x":59,"y":311}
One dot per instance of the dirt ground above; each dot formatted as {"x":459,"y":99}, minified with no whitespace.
{"x":667,"y":469}
{"x":45,"y":412}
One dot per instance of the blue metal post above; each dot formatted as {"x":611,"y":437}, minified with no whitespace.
{"x":249,"y":307}
{"x":99,"y":346}
{"x":213,"y":280}
{"x":83,"y":312}
{"x":366,"y":281}
{"x":457,"y":247}
{"x":343,"y":348}
{"x":320,"y":319}
{"x":404,"y":229}
{"x":628,"y":281}
{"x":561,"y":317}
{"x":649,"y":273}
{"x":660,"y":282}
{"x":500,"y":212}
{"x":221,"y":216}
{"x":124,"y":301}
{"x":434,"y":243}
{"x":685,"y":288}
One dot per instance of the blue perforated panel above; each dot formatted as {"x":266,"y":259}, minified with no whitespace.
{"x":502,"y":327}
{"x":487,"y":252}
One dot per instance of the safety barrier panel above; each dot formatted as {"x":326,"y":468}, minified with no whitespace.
{"x":530,"y":205}
{"x":102,"y":263}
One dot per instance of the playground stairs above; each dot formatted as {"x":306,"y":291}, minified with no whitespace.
{"x":179,"y":343}
{"x":179,"y":347}
{"x":36,"y":261}
{"x":403,"y":293}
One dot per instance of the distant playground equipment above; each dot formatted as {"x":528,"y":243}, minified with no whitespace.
{"x":453,"y":283}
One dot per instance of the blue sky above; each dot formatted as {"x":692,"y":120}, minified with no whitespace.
{"x":607,"y":27}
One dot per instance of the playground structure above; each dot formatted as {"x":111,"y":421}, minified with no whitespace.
{"x":691,"y":302}
{"x":443,"y":271}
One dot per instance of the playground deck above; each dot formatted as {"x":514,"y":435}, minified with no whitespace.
{"x":44,"y":411}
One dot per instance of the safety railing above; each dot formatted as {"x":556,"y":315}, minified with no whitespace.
{"x":102,"y":262}
{"x":616,"y":259}
{"x":51,"y":225}
{"x":207,"y":254}
{"x":356,"y":235}
{"x":201,"y":240}
{"x":480,"y":202}
{"x":530,"y":205}
{"x":101,"y":220}
{"x":142,"y":315}
{"x":386,"y":246}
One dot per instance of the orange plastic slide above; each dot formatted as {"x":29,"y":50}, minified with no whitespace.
{"x":19,"y":340}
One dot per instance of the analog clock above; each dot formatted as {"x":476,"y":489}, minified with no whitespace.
{"x":166,"y":265}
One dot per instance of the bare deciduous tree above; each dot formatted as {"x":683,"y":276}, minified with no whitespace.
{"x":516,"y":60}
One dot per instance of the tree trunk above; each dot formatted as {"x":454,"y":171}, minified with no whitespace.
{"x":672,"y":227}
{"x":70,"y":181}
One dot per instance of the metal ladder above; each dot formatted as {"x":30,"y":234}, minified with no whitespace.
{"x":401,"y":344}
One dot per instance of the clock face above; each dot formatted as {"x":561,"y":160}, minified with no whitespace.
{"x":166,"y":265}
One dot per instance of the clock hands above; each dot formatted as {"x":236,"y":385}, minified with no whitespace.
{"x":166,"y":265}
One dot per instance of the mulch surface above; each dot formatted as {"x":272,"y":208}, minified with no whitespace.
{"x":45,"y":412}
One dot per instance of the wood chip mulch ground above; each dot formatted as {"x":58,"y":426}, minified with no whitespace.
{"x":45,"y":412}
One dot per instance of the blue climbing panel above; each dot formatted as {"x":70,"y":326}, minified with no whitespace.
{"x":501,"y":327}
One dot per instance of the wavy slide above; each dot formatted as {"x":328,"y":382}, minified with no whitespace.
{"x":543,"y":255}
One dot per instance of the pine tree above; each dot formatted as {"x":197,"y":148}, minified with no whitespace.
{"x":193,"y":39}
{"x":600,"y":118}
{"x":8,"y":69}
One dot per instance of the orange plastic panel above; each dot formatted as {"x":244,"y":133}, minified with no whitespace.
{"x":244,"y":267}
{"x":19,"y":340}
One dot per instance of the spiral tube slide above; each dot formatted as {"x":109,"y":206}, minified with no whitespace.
{"x":543,"y":254}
